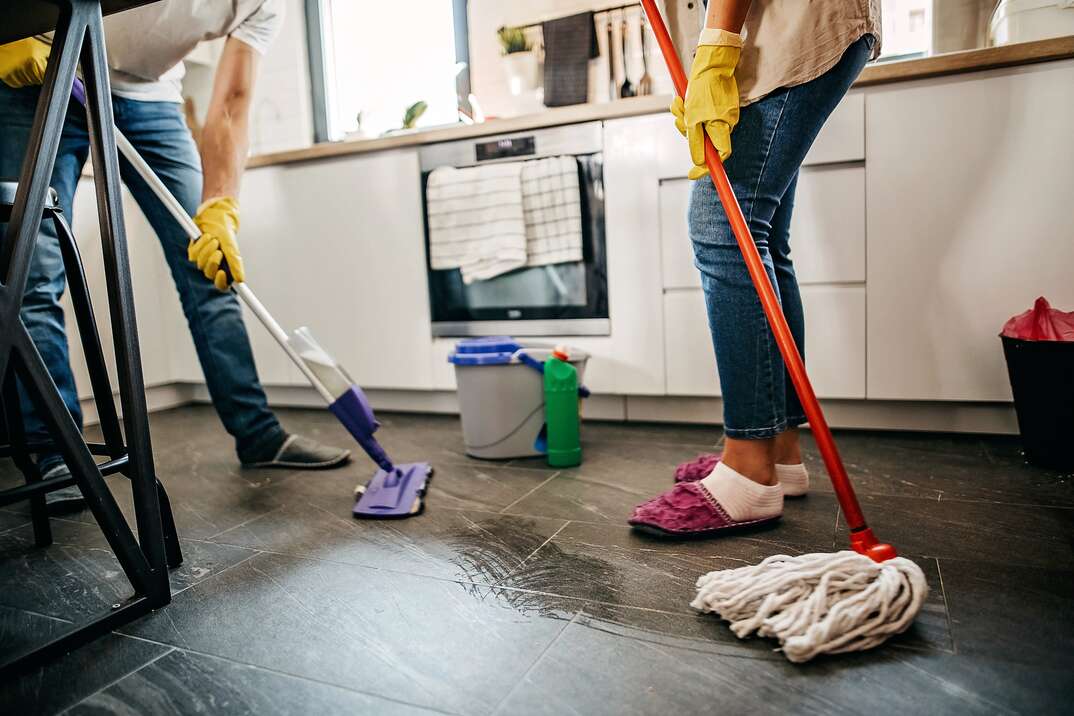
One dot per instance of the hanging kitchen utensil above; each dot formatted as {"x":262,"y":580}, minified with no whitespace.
{"x":613,"y":86}
{"x":628,"y":89}
{"x":645,"y":84}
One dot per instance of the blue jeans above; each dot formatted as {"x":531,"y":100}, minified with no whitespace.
{"x":768,"y":148}
{"x":159,"y":133}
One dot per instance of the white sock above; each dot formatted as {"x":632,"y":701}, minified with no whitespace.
{"x":742,"y":498}
{"x":794,"y":478}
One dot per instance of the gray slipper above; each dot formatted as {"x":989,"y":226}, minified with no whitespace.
{"x":301,"y":453}
{"x":66,"y":500}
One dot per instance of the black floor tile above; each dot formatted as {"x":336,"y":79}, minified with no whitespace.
{"x":78,"y":575}
{"x":1020,"y":613}
{"x":1008,"y":534}
{"x":477,"y":547}
{"x":962,"y":467}
{"x":431,"y":642}
{"x":186,"y":683}
{"x":71,"y":678}
{"x":664,"y":673}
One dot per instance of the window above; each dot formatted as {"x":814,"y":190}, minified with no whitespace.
{"x":907,"y":29}
{"x":373,"y":60}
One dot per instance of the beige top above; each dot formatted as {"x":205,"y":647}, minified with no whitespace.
{"x":790,"y":42}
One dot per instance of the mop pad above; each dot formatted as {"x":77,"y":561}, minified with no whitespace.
{"x":816,"y":603}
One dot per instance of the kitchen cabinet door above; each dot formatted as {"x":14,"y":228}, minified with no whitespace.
{"x":338,"y":246}
{"x":835,"y":342}
{"x":827,"y":228}
{"x":969,"y":220}
{"x":146,"y":268}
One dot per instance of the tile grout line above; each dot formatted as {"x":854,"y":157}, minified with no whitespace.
{"x":121,"y":678}
{"x":270,"y":670}
{"x":542,"y":545}
{"x":946,"y":607}
{"x":213,"y":536}
{"x":551,"y":477}
{"x":540,"y":657}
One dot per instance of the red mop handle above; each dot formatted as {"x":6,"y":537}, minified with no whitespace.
{"x":861,"y":537}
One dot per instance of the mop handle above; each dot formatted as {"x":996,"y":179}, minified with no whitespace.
{"x":193,"y":232}
{"x":772,"y":309}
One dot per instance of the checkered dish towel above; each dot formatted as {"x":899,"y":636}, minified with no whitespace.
{"x":475,"y":220}
{"x":552,"y":208}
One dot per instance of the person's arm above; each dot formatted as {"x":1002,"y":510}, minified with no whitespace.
{"x":225,"y":138}
{"x":727,"y":15}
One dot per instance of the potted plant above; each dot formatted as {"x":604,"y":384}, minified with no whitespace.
{"x":520,"y":63}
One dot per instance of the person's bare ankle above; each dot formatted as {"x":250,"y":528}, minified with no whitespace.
{"x":787,"y":450}
{"x":752,"y":458}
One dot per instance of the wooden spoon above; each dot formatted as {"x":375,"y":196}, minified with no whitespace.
{"x":645,"y":84}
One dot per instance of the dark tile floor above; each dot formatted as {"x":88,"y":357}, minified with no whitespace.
{"x":521,"y":589}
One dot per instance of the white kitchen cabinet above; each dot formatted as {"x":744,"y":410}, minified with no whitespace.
{"x":338,"y":246}
{"x":843,"y":137}
{"x":676,"y":249}
{"x":827,"y":228}
{"x":835,"y":342}
{"x":828,"y":225}
{"x":688,"y":352}
{"x":969,"y":220}
{"x":147,"y":270}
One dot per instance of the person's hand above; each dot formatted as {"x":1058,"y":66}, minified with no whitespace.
{"x":218,"y":219}
{"x":711,"y":105}
{"x":22,"y":63}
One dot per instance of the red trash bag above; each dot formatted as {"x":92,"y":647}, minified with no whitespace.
{"x":1039,"y":348}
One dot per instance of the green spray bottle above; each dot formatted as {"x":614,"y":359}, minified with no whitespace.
{"x":561,"y":410}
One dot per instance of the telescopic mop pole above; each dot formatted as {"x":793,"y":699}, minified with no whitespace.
{"x":861,"y":536}
{"x":241,"y":289}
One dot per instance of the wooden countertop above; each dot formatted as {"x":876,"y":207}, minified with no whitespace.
{"x":1023,"y":53}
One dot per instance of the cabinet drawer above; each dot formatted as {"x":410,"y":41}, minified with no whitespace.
{"x":676,"y":251}
{"x":827,"y":228}
{"x":688,"y":354}
{"x":835,"y":342}
{"x":842,"y":139}
{"x":828,"y":225}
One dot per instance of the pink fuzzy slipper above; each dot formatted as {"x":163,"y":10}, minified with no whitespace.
{"x":687,"y":510}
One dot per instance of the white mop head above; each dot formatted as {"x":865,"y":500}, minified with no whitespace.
{"x":816,"y":603}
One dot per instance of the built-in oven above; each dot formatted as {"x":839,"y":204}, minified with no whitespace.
{"x":561,"y":299}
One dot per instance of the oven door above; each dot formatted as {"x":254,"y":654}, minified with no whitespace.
{"x":561,"y":299}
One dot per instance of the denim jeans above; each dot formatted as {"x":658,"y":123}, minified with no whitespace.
{"x":768,"y":146}
{"x":159,"y":133}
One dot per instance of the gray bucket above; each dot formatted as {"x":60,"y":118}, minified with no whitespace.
{"x":501,"y":398}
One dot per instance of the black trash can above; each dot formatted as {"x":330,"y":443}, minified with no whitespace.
{"x":1042,"y":380}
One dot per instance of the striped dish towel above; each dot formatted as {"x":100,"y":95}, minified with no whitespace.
{"x":476,"y":221}
{"x":552,"y":208}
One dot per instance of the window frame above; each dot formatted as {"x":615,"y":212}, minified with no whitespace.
{"x":320,"y":71}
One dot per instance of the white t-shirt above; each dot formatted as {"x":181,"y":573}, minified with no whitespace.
{"x":146,"y":45}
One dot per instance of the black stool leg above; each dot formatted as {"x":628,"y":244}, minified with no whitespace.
{"x":101,"y":385}
{"x":20,"y":455}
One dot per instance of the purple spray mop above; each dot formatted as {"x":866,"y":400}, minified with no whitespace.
{"x":395,"y":490}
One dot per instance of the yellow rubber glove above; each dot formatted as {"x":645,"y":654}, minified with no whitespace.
{"x":218,"y":219}
{"x":22,"y":63}
{"x":711,"y":104}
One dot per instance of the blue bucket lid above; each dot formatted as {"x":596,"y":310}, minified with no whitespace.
{"x":490,"y":350}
